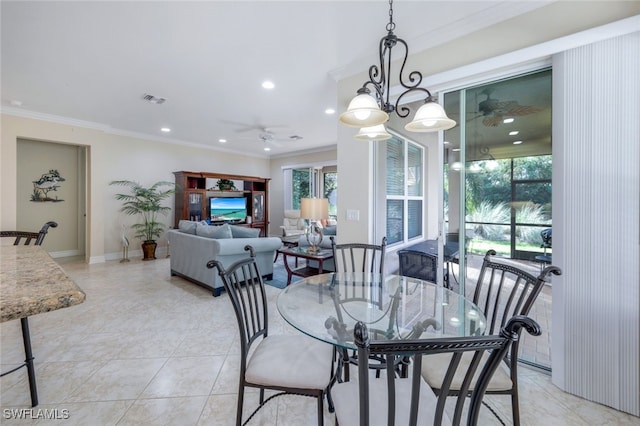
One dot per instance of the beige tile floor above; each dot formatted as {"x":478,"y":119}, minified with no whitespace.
{"x":150,"y":349}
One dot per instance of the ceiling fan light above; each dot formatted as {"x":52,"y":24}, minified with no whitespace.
{"x":373,"y":133}
{"x":363,"y":111}
{"x":430,"y":118}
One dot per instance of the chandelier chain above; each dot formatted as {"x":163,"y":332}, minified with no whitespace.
{"x":391,"y":25}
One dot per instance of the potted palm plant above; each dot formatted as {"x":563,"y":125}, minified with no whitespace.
{"x":146,"y":202}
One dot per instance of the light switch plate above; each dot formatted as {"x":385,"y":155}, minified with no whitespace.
{"x":353,"y":214}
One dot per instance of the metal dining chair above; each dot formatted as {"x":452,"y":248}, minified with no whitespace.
{"x":291,"y":364}
{"x":502,"y":292}
{"x":409,"y":401}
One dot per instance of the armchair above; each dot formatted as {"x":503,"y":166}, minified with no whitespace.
{"x":292,"y":224}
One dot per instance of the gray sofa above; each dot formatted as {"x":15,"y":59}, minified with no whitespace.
{"x":193,"y":244}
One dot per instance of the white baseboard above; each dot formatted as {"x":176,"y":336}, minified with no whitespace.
{"x":64,"y":253}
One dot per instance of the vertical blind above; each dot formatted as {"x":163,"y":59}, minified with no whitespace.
{"x":596,"y":341}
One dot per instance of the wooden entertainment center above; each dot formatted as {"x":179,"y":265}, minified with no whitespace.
{"x":194,"y":189}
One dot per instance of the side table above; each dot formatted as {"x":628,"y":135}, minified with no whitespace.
{"x":303,"y":252}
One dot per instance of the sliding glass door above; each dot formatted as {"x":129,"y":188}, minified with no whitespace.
{"x":497,"y":182}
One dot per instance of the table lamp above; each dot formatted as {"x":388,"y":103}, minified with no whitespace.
{"x":314,"y":209}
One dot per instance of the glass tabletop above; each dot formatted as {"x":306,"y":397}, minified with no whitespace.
{"x":393,"y":307}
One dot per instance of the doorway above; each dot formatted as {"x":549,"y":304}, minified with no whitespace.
{"x":498,"y":183}
{"x":51,"y":185}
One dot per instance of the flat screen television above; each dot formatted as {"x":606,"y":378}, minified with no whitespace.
{"x":228,"y":209}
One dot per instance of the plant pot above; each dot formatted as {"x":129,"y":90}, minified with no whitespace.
{"x":149,"y":250}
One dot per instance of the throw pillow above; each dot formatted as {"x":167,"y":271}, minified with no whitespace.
{"x":217,"y":232}
{"x":187,"y":226}
{"x":244,"y":232}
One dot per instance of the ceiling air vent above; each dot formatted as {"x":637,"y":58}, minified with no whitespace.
{"x":153,"y":99}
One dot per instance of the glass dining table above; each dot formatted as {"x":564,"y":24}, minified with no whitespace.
{"x":393,"y":307}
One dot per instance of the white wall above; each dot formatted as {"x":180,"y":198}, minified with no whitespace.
{"x":111,"y":157}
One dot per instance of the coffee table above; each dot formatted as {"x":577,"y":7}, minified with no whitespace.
{"x":304,"y":253}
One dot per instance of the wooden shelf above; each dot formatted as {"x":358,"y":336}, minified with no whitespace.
{"x":192,"y":197}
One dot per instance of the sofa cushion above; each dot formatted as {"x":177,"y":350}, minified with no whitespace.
{"x":187,"y":226}
{"x":330,"y":230}
{"x":244,"y":232}
{"x":217,"y":232}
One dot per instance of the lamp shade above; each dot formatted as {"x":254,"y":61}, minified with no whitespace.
{"x":374,"y":133}
{"x":314,"y":208}
{"x":363,"y":111}
{"x":430,"y":117}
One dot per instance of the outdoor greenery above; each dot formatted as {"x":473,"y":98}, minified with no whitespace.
{"x":145,"y":202}
{"x":489,"y":198}
{"x":301,"y":186}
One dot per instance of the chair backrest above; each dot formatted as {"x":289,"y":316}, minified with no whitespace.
{"x":403,"y":395}
{"x":545,"y":234}
{"x":35,"y":238}
{"x":417,"y":264}
{"x":243,"y":282}
{"x":292,"y":220}
{"x":504,"y":290}
{"x":359,"y":257}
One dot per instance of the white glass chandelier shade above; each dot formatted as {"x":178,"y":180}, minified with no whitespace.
{"x":431,"y":117}
{"x":374,"y":133}
{"x":363,"y":111}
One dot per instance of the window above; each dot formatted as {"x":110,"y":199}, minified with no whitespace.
{"x":404,"y":193}
{"x":330,"y":191}
{"x":301,"y":186}
{"x":311,"y":181}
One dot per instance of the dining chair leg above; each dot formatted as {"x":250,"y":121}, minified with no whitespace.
{"x":320,"y":409}
{"x":240,"y":404}
{"x":515,"y":407}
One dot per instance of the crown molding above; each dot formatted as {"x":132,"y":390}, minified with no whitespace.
{"x":441,"y":34}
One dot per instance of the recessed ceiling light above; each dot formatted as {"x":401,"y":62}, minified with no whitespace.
{"x":15,"y":103}
{"x":222,"y":140}
{"x":446,"y":142}
{"x":329,"y":111}
{"x":517,"y":142}
{"x":455,"y":149}
{"x":268,"y":85}
{"x":508,"y":120}
{"x":515,"y":132}
{"x":165,"y":129}
{"x":266,"y":148}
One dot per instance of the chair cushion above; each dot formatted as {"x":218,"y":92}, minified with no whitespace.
{"x":346,"y":400}
{"x":293,"y":361}
{"x":434,"y":367}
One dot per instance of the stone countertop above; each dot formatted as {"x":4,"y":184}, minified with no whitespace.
{"x":31,"y":282}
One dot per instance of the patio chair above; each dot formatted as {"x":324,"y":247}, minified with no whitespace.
{"x":291,"y":364}
{"x":503,"y":291}
{"x":544,"y":258}
{"x":420,"y":265}
{"x":36,"y":239}
{"x":409,"y":401}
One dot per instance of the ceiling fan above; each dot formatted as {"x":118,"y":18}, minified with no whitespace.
{"x":495,"y":110}
{"x":269,"y":138}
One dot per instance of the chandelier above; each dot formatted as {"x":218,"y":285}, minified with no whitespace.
{"x":369,"y":112}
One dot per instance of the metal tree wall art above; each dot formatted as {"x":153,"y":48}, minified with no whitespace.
{"x":42,"y":187}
